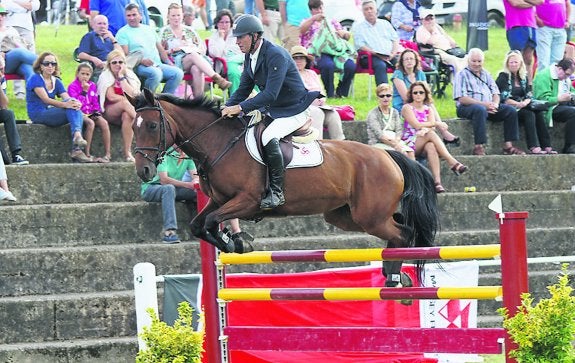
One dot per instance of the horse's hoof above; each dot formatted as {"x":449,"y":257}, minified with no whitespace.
{"x":406,"y":302}
{"x":226,"y":241}
{"x":406,"y":280}
{"x":242,"y":242}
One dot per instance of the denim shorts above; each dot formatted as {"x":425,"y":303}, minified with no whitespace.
{"x":521,"y":37}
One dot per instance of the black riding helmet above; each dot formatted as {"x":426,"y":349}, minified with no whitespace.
{"x":248,"y":24}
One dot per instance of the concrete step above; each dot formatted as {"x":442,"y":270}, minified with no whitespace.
{"x":101,"y":350}
{"x":461,"y":127}
{"x":118,"y":182}
{"x":43,"y":144}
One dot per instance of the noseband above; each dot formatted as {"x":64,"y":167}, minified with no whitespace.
{"x":160,"y":151}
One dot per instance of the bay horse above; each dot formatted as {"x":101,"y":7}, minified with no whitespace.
{"x":357,"y":187}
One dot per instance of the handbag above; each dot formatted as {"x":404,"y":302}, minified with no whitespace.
{"x":457,"y":52}
{"x":346,"y":112}
{"x":538,"y":105}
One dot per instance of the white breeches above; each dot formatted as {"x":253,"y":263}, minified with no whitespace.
{"x":281,"y":127}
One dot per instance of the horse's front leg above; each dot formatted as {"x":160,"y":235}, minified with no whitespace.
{"x":209,"y":232}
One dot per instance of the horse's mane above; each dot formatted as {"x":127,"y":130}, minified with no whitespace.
{"x":199,"y":102}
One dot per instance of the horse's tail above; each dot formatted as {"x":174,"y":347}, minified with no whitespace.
{"x":419,"y":207}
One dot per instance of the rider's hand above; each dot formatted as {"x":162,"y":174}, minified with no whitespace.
{"x":231,"y":111}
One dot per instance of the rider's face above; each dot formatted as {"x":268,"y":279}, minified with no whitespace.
{"x":244,"y":42}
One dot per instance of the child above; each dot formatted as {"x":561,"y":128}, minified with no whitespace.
{"x":5,"y":193}
{"x":86,"y":92}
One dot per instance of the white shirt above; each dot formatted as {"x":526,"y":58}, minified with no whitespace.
{"x":254,"y":57}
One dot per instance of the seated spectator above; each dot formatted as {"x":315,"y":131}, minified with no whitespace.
{"x":86,"y":92}
{"x":321,"y":114}
{"x":384,"y":125}
{"x":223,"y":44}
{"x":376,"y":36}
{"x":167,"y":187}
{"x":512,"y":83}
{"x":5,"y":193}
{"x":432,"y":34}
{"x":95,"y":45}
{"x":9,"y":120}
{"x":189,"y":15}
{"x":409,"y":71}
{"x":318,"y":35}
{"x":154,"y":66}
{"x":478,"y":100}
{"x":553,"y":84}
{"x":419,"y":133}
{"x":405,"y":18}
{"x":114,"y":11}
{"x":19,"y":60}
{"x":188,"y":51}
{"x":115,"y":81}
{"x":42,"y":88}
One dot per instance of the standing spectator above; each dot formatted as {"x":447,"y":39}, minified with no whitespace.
{"x":188,"y":51}
{"x":314,"y":33}
{"x":553,"y":85}
{"x":376,"y":36}
{"x":167,"y":187}
{"x":384,"y":126}
{"x":408,"y":72}
{"x":84,"y":11}
{"x":201,"y":4}
{"x":419,"y":133}
{"x":9,"y":120}
{"x":321,"y":114}
{"x":552,"y":19}
{"x":271,"y":19}
{"x":86,"y":92}
{"x":95,"y":45}
{"x":512,"y":83}
{"x":292,"y":12}
{"x":223,"y":44}
{"x":478,"y":99}
{"x":432,"y":34}
{"x":18,"y":58}
{"x":521,"y":26}
{"x":20,"y":18}
{"x":155,"y":65}
{"x":405,"y":18}
{"x":42,"y":88}
{"x":114,"y":11}
{"x":5,"y":193}
{"x":114,"y":83}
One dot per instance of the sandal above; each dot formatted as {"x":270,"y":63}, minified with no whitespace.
{"x":456,"y":141}
{"x":130,"y":159}
{"x":479,"y":150}
{"x":103,"y":160}
{"x":439,"y":188}
{"x":536,"y":151}
{"x":459,"y":168}
{"x":513,"y":151}
{"x":549,"y":151}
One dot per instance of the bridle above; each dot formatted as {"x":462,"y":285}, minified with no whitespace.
{"x":203,"y":166}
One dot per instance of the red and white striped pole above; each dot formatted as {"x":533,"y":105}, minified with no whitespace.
{"x":514,"y":274}
{"x":208,"y":255}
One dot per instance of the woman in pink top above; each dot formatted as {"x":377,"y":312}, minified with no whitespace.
{"x":419,"y":133}
{"x":321,"y":114}
{"x":86,"y":92}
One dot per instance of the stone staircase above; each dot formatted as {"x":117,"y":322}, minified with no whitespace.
{"x":67,"y":247}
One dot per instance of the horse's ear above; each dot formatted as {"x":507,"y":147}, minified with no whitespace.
{"x":131,"y":99}
{"x":149,"y":96}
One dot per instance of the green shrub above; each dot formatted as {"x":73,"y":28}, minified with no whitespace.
{"x":172,"y":344}
{"x":544,"y":332}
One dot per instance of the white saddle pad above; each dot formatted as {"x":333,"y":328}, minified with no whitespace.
{"x":304,"y":155}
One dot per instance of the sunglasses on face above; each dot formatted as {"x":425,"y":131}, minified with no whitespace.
{"x":418,"y":92}
{"x":387,"y":95}
{"x":116,"y":62}
{"x":46,"y":64}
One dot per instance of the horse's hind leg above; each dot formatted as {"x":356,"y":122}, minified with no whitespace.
{"x":341,"y":218}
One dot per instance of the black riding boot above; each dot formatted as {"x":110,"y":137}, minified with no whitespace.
{"x":274,"y":160}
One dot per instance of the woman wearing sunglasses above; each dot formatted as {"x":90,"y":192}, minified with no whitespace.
{"x":115,"y":81}
{"x":384,"y":126}
{"x":42,"y":89}
{"x":419,"y":133}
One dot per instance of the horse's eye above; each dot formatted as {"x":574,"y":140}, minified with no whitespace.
{"x":153,"y":126}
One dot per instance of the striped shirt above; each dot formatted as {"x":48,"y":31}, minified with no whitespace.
{"x":481,"y":88}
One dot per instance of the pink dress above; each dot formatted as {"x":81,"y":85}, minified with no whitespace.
{"x":409,"y":132}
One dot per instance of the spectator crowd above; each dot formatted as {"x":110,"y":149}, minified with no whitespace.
{"x":123,"y":52}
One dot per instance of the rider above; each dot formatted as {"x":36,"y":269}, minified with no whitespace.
{"x":282,"y":95}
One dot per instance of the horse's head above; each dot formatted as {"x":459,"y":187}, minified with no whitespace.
{"x":153,"y":131}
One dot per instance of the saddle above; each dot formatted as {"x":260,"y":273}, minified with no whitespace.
{"x":303,"y":135}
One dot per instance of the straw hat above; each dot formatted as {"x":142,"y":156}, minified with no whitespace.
{"x":300,"y":51}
